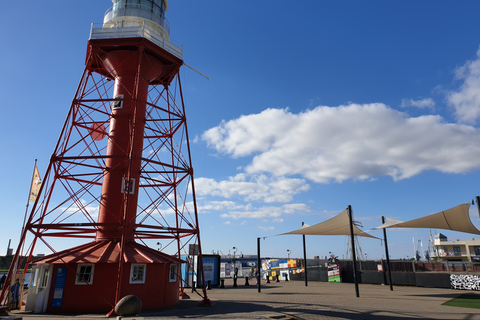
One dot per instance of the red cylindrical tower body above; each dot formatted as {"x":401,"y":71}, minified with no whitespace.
{"x":133,"y":71}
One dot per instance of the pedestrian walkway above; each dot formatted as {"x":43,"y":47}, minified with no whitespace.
{"x":318,"y":300}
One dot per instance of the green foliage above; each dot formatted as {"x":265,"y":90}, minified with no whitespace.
{"x":6,"y":261}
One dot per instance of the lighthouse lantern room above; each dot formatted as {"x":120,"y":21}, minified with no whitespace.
{"x":119,"y":187}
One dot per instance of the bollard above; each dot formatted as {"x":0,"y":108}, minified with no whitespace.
{"x":235,"y":281}
{"x":268,"y":279}
{"x":209,"y":287}
{"x":286,"y":277}
{"x":222,"y":283}
{"x":193,"y":286}
{"x":278,"y":280}
{"x":246,"y":281}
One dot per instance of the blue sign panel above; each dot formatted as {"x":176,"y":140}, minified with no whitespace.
{"x":211,"y":269}
{"x":59,"y":287}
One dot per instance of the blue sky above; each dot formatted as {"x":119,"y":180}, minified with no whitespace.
{"x":310,"y":106}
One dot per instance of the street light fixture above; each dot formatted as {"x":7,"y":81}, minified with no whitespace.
{"x":288,"y":252}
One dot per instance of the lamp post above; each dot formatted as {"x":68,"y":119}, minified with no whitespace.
{"x":234,"y":268}
{"x":288,"y":253}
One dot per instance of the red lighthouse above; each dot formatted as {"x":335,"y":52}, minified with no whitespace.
{"x":120,"y":175}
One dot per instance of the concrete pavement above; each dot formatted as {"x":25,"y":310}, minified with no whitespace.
{"x":319,"y":300}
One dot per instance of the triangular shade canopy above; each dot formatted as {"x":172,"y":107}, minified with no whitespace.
{"x":388,"y":223}
{"x":338,"y":225}
{"x":456,"y":219}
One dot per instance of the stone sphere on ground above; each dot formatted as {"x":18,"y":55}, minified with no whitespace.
{"x":128,"y":306}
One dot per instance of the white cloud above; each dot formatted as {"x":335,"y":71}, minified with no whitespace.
{"x":338,"y":143}
{"x":466,"y":101}
{"x":269,"y":213}
{"x":266,"y":228}
{"x":252,"y":187}
{"x":221,"y":206}
{"x":251,"y":133}
{"x":422,"y":104}
{"x":86,"y":212}
{"x":292,"y":208}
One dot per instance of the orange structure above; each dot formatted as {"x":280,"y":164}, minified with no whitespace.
{"x":120,"y":175}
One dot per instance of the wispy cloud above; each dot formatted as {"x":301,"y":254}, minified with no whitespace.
{"x":270,"y":213}
{"x":426,"y":103}
{"x":253,"y":187}
{"x":266,"y":228}
{"x":466,"y":101}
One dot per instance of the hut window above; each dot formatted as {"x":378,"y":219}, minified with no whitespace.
{"x":137,"y":273}
{"x":477,"y":250}
{"x":173,"y":273}
{"x":34,"y":276}
{"x":84,"y":274}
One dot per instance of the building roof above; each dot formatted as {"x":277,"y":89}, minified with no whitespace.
{"x":107,"y":251}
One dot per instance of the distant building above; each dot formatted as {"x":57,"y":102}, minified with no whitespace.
{"x":456,"y":250}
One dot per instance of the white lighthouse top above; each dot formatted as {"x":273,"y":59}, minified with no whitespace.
{"x":137,"y":18}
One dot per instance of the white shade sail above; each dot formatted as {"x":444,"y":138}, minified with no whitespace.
{"x":456,"y":219}
{"x":338,"y":225}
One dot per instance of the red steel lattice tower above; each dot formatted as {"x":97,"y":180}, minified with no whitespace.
{"x":121,"y":173}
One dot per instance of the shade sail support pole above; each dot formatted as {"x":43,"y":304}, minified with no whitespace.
{"x":305,"y":258}
{"x":354,"y":257}
{"x":259,"y":285}
{"x":387,"y":255}
{"x":477,"y":199}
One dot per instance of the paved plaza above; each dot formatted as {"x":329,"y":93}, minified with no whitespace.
{"x":318,"y":300}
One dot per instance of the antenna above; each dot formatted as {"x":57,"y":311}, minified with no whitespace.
{"x":186,"y":65}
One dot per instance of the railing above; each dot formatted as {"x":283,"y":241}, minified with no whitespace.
{"x":98,"y":31}
{"x":453,"y":254}
{"x":418,"y":266}
{"x":137,"y":10}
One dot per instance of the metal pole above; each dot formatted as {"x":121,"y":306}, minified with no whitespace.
{"x":355,"y":280}
{"x":305,"y":258}
{"x":259,"y":285}
{"x":29,"y":194}
{"x":386,"y":254}
{"x":477,"y":198}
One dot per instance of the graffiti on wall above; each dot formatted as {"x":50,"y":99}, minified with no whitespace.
{"x":465,"y":281}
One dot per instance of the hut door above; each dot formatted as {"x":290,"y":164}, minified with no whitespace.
{"x":33,"y":289}
{"x":39,"y":288}
{"x":43,"y":288}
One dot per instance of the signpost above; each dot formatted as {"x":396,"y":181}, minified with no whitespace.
{"x":333,"y":269}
